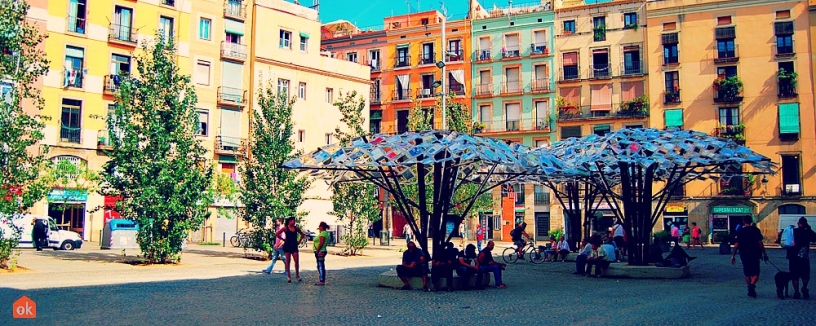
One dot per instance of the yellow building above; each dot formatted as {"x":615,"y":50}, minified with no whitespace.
{"x":699,"y":53}
{"x":90,"y":44}
{"x":286,"y":55}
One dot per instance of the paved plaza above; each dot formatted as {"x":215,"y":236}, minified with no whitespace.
{"x":216,"y":286}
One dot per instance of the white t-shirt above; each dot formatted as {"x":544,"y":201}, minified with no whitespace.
{"x":609,"y":250}
{"x":407,"y":229}
{"x":618,"y":229}
{"x":564,"y":245}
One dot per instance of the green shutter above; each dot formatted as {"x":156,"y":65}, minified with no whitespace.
{"x":304,"y":35}
{"x":606,"y":128}
{"x":376,"y":115}
{"x":789,"y":118}
{"x":234,"y":27}
{"x":674,"y":118}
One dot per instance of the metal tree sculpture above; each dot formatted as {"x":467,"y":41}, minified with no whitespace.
{"x":444,"y":160}
{"x":635,"y":159}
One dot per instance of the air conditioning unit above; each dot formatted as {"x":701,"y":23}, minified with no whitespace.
{"x":792,"y":188}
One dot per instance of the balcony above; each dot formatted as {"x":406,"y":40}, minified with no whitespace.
{"x":600,"y":71}
{"x":599,"y":33}
{"x":541,"y":198}
{"x":375,"y":97}
{"x":511,"y":52}
{"x":69,"y":134}
{"x":122,"y":34}
{"x":103,"y":140}
{"x":784,"y":50}
{"x":402,"y":94}
{"x":75,"y":24}
{"x":111,"y":84}
{"x":425,"y":92}
{"x":671,"y":97}
{"x":233,"y":51}
{"x":539,"y":50}
{"x":726,"y":55}
{"x":72,"y":78}
{"x":569,"y":73}
{"x":573,"y":112}
{"x":233,"y":146}
{"x":375,"y":65}
{"x":670,"y":60}
{"x":484,"y":90}
{"x":427,"y":58}
{"x":512,"y":88}
{"x":538,"y":86}
{"x":402,"y":62}
{"x":231,"y":96}
{"x":735,"y":133}
{"x":483,"y":56}
{"x":455,"y":56}
{"x":235,"y":9}
{"x":513,"y":125}
{"x":728,"y":90}
{"x":735,"y":185}
{"x":786,"y":84}
{"x":456,"y":89}
{"x":634,"y":68}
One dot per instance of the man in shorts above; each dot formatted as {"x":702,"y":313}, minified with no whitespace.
{"x":751,"y":250}
{"x":695,"y":236}
{"x":413,"y":265}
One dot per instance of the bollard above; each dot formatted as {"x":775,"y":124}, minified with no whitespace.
{"x":100,"y":239}
{"x":224,"y":240}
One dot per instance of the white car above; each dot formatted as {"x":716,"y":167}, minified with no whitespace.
{"x":57,"y":239}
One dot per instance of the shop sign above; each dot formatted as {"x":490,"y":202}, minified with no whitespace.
{"x":731,"y":210}
{"x":67,"y":195}
{"x":675,"y":208}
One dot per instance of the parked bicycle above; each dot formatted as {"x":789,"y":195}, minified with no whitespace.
{"x":531,"y":251}
{"x":241,"y":239}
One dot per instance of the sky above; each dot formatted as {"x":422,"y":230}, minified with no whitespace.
{"x":365,"y":13}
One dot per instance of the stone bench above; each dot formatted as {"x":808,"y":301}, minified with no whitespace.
{"x":389,"y":279}
{"x":650,"y":271}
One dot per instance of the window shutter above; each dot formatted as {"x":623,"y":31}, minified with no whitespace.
{"x":674,"y":118}
{"x":789,"y":118}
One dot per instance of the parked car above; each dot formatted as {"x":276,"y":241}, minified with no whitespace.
{"x":57,"y":239}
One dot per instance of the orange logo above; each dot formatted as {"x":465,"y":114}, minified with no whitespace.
{"x":24,"y":308}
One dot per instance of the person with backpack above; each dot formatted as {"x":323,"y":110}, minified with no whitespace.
{"x":798,"y":254}
{"x":518,"y":234}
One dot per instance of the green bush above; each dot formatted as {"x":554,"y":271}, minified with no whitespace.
{"x":557,"y":233}
{"x":662,"y":236}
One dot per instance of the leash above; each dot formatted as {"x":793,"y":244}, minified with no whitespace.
{"x":772,"y":264}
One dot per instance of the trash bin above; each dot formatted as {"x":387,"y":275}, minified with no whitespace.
{"x":332,"y":238}
{"x":384,"y":239}
{"x":120,"y":234}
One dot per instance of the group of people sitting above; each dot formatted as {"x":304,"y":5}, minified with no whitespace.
{"x":466,"y":263}
{"x":595,"y":251}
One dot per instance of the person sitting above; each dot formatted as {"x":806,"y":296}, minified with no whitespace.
{"x":562,"y":249}
{"x":413,"y":265}
{"x":655,"y":254}
{"x":678,"y":257}
{"x":580,"y":261}
{"x":488,"y":265}
{"x":600,"y":258}
{"x":444,"y":266}
{"x":552,"y":249}
{"x":467,"y":265}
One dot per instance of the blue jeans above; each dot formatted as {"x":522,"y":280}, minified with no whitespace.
{"x":321,"y":268}
{"x":488,"y":269}
{"x":278,"y":253}
{"x":580,"y":263}
{"x":478,"y":246}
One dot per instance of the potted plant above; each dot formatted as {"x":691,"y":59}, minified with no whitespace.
{"x":479,"y":127}
{"x":599,"y":33}
{"x":662,"y":238}
{"x":787,"y":82}
{"x":728,"y":88}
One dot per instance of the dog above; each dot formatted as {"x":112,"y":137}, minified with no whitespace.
{"x":782,"y":280}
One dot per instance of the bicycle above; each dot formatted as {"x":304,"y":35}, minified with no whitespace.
{"x":240,"y":239}
{"x":536,"y":256}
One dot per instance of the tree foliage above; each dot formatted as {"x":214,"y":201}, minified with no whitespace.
{"x":157,"y":165}
{"x":21,"y":125}
{"x":355,"y":204}
{"x":268,"y":191}
{"x":64,"y":174}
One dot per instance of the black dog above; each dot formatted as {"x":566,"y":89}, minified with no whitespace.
{"x":782,"y":279}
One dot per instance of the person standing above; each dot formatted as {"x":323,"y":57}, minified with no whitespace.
{"x":277,"y":249}
{"x":751,"y":250}
{"x":407,"y":232}
{"x":462,"y":234}
{"x":675,"y":233}
{"x":695,"y":236}
{"x":479,"y":237}
{"x":290,"y":247}
{"x":320,"y":251}
{"x":799,"y":257}
{"x":39,"y":233}
{"x":617,"y":236}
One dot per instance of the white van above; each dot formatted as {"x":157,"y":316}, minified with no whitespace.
{"x":57,"y":239}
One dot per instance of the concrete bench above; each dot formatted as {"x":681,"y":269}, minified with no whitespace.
{"x":389,"y":279}
{"x":650,"y":271}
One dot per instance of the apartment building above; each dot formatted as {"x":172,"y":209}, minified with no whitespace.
{"x":286,"y":55}
{"x":90,"y":46}
{"x":729,"y":68}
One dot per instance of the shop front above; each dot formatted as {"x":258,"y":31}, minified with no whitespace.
{"x":725,"y":218}
{"x":68,"y":208}
{"x":674,"y":213}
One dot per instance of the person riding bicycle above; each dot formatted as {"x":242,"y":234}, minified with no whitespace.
{"x":518,"y":234}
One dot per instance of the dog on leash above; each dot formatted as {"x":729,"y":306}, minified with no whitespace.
{"x":782,"y":280}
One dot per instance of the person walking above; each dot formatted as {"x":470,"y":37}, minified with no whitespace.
{"x":695,"y":236}
{"x":479,"y":237}
{"x":751,"y":250}
{"x":290,"y":247}
{"x":277,"y":249}
{"x":408,"y":233}
{"x":675,"y":233}
{"x":799,"y":257}
{"x":320,"y":251}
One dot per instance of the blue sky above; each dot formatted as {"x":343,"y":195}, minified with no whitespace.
{"x":371,"y":12}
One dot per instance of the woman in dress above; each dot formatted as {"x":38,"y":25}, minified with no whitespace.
{"x":290,"y":246}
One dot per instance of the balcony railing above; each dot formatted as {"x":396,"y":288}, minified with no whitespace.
{"x":670,"y":60}
{"x":234,"y":9}
{"x":427,"y":58}
{"x":784,"y":50}
{"x":735,"y":186}
{"x":75,"y":24}
{"x":72,"y":78}
{"x":402,"y":94}
{"x":634,"y":68}
{"x":511,"y":125}
{"x":512,"y":87}
{"x":455,"y":56}
{"x":671,"y":97}
{"x":541,"y":198}
{"x":540,"y":85}
{"x":456,"y":89}
{"x":726,"y":97}
{"x":425,"y":92}
{"x":573,"y":113}
{"x":225,"y":145}
{"x":539,"y":49}
{"x":375,"y":65}
{"x":375,"y":96}
{"x":483,"y":56}
{"x":735,"y":133}
{"x":484,"y":90}
{"x":111,"y":83}
{"x":600,"y":71}
{"x":232,"y":96}
{"x":511,"y":52}
{"x":400,"y":62}
{"x":124,"y":34}
{"x":70,"y":134}
{"x":786,"y":88}
{"x":727,"y":55}
{"x":233,"y":51}
{"x":569,"y":73}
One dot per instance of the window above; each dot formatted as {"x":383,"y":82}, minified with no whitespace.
{"x":283,"y":87}
{"x":402,"y":121}
{"x":5,"y":92}
{"x":454,"y":50}
{"x":204,"y":27}
{"x":351,"y":56}
{"x":203,"y":123}
{"x":785,"y":80}
{"x":670,"y":54}
{"x":631,"y":60}
{"x":374,"y":59}
{"x":403,"y":59}
{"x":329,"y":137}
{"x":76,"y":16}
{"x":484,"y":49}
{"x":570,"y":66}
{"x":512,"y":113}
{"x":791,"y":209}
{"x":285,"y":39}
{"x":569,"y":132}
{"x":304,"y":42}
{"x":789,"y":119}
{"x":599,"y":29}
{"x":74,"y":67}
{"x":539,"y":45}
{"x":724,"y":20}
{"x":428,"y":55}
{"x":726,"y":49}
{"x":202,"y":73}
{"x":569,"y":27}
{"x":601,"y":130}
{"x":376,"y":120}
{"x":511,"y":46}
{"x":672,"y":84}
{"x":784,"y":45}
{"x":302,"y":91}
{"x":725,"y":72}
{"x":791,"y":178}
{"x":301,"y":136}
{"x":542,"y":143}
{"x":630,"y":20}
{"x":232,"y":38}
{"x":674,"y":118}
{"x":166,"y":29}
{"x":122,"y":26}
{"x":329,"y":95}
{"x":70,"y":121}
{"x":109,"y":125}
{"x":120,"y":65}
{"x":729,"y":116}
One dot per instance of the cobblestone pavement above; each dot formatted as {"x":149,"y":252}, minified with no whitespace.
{"x":215,"y":286}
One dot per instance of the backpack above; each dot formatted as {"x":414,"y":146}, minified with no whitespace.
{"x":513,"y":233}
{"x":787,"y":237}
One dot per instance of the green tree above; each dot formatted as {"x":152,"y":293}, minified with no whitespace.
{"x":268,"y":191}
{"x":157,"y":165}
{"x":355,"y":204}
{"x":21,"y":125}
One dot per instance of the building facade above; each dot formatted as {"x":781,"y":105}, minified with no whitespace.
{"x":729,"y":68}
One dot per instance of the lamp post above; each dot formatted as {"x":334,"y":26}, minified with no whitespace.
{"x":444,"y":71}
